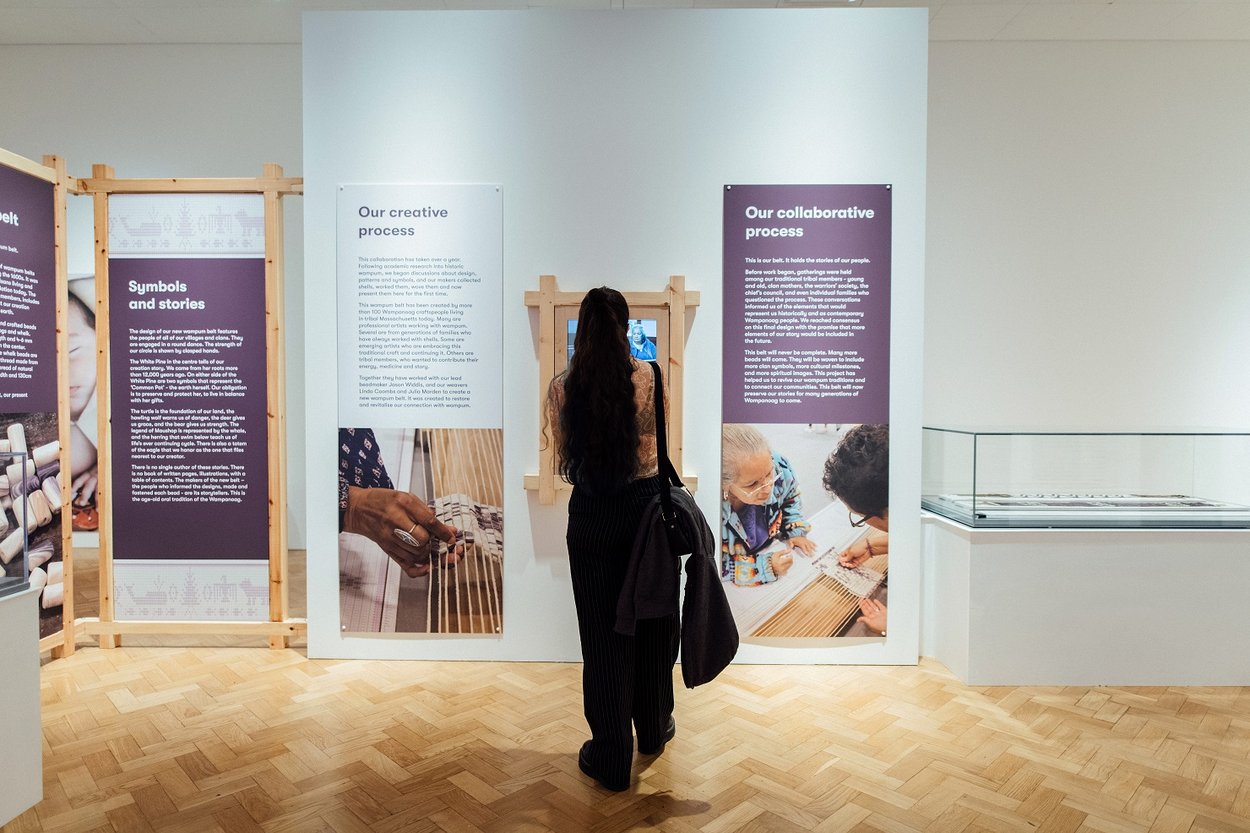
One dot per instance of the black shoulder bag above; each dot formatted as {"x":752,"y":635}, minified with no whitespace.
{"x":679,"y":539}
{"x":709,"y":635}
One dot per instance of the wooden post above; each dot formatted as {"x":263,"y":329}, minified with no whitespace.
{"x":547,"y":290}
{"x":68,"y":630}
{"x":676,"y":367}
{"x":104,"y":443}
{"x":276,"y":420}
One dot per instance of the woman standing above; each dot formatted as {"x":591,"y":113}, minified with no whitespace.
{"x":602,"y":411}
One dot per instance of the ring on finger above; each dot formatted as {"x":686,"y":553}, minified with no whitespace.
{"x":406,"y":537}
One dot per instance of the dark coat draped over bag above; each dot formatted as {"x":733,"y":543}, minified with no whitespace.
{"x":709,"y":637}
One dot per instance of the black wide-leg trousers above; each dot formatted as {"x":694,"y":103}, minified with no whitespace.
{"x":624,"y":678}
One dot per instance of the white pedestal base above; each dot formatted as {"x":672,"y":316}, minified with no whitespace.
{"x":1088,"y":607}
{"x":21,"y":753}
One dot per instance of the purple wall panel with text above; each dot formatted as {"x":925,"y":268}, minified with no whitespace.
{"x":807,"y":303}
{"x":189,"y":434}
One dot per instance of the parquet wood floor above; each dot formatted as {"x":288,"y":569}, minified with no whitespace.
{"x":242,"y":739}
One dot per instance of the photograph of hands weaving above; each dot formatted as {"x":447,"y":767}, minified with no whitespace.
{"x":421,"y":552}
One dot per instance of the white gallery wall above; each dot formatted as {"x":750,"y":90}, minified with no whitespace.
{"x":612,"y":136}
{"x":1087,"y":247}
{"x":1089,"y":236}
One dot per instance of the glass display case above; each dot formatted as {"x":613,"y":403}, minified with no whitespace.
{"x":14,"y":566}
{"x":1034,"y":479}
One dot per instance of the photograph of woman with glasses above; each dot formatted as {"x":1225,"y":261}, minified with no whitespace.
{"x":760,"y":505}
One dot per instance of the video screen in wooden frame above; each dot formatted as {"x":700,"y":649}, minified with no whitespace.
{"x":648,"y":334}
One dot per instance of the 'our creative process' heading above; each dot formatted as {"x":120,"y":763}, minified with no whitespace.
{"x":380,"y":215}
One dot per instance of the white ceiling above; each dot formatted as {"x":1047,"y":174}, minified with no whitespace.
{"x":278,"y":21}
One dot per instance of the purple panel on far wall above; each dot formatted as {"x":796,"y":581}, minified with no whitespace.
{"x":807,"y":303}
{"x":27,"y":293}
{"x":189,"y":433}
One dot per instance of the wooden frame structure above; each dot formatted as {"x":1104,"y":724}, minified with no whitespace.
{"x":53,"y":170}
{"x":272,"y":186}
{"x":554,"y":309}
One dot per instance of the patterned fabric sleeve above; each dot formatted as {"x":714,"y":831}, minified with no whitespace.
{"x":360,"y":464}
{"x":793,"y":524}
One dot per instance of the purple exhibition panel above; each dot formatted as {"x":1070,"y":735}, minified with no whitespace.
{"x":806,"y":405}
{"x":28,"y":390}
{"x":807,"y":304}
{"x":27,"y":293}
{"x":189,"y":434}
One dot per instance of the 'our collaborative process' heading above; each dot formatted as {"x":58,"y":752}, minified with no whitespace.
{"x":799,"y":212}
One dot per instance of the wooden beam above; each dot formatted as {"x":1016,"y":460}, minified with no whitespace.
{"x":64,"y":478}
{"x":676,"y":370}
{"x":534,"y":298}
{"x":287,"y":629}
{"x":97,"y":184}
{"x":547,"y":291}
{"x":28,"y":166}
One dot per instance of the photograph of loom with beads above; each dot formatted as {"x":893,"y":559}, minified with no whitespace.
{"x":817,"y":597}
{"x":458,"y":473}
{"x":30,"y":497}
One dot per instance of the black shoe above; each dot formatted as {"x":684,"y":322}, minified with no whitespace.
{"x":669,"y":731}
{"x":583,"y":763}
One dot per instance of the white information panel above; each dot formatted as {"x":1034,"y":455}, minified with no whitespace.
{"x":420,"y":280}
{"x":420,"y":383}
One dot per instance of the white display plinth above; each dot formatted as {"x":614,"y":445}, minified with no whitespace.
{"x":21,"y":753}
{"x":1087,"y":607}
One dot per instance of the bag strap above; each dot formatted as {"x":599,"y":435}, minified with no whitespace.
{"x":661,"y":441}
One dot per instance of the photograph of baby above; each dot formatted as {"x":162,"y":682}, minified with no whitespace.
{"x":82,"y":404}
{"x":805,"y":529}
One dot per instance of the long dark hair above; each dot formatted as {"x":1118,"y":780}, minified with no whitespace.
{"x":599,"y":420}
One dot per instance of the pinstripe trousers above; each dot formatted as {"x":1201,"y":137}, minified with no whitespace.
{"x":624,"y":678}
